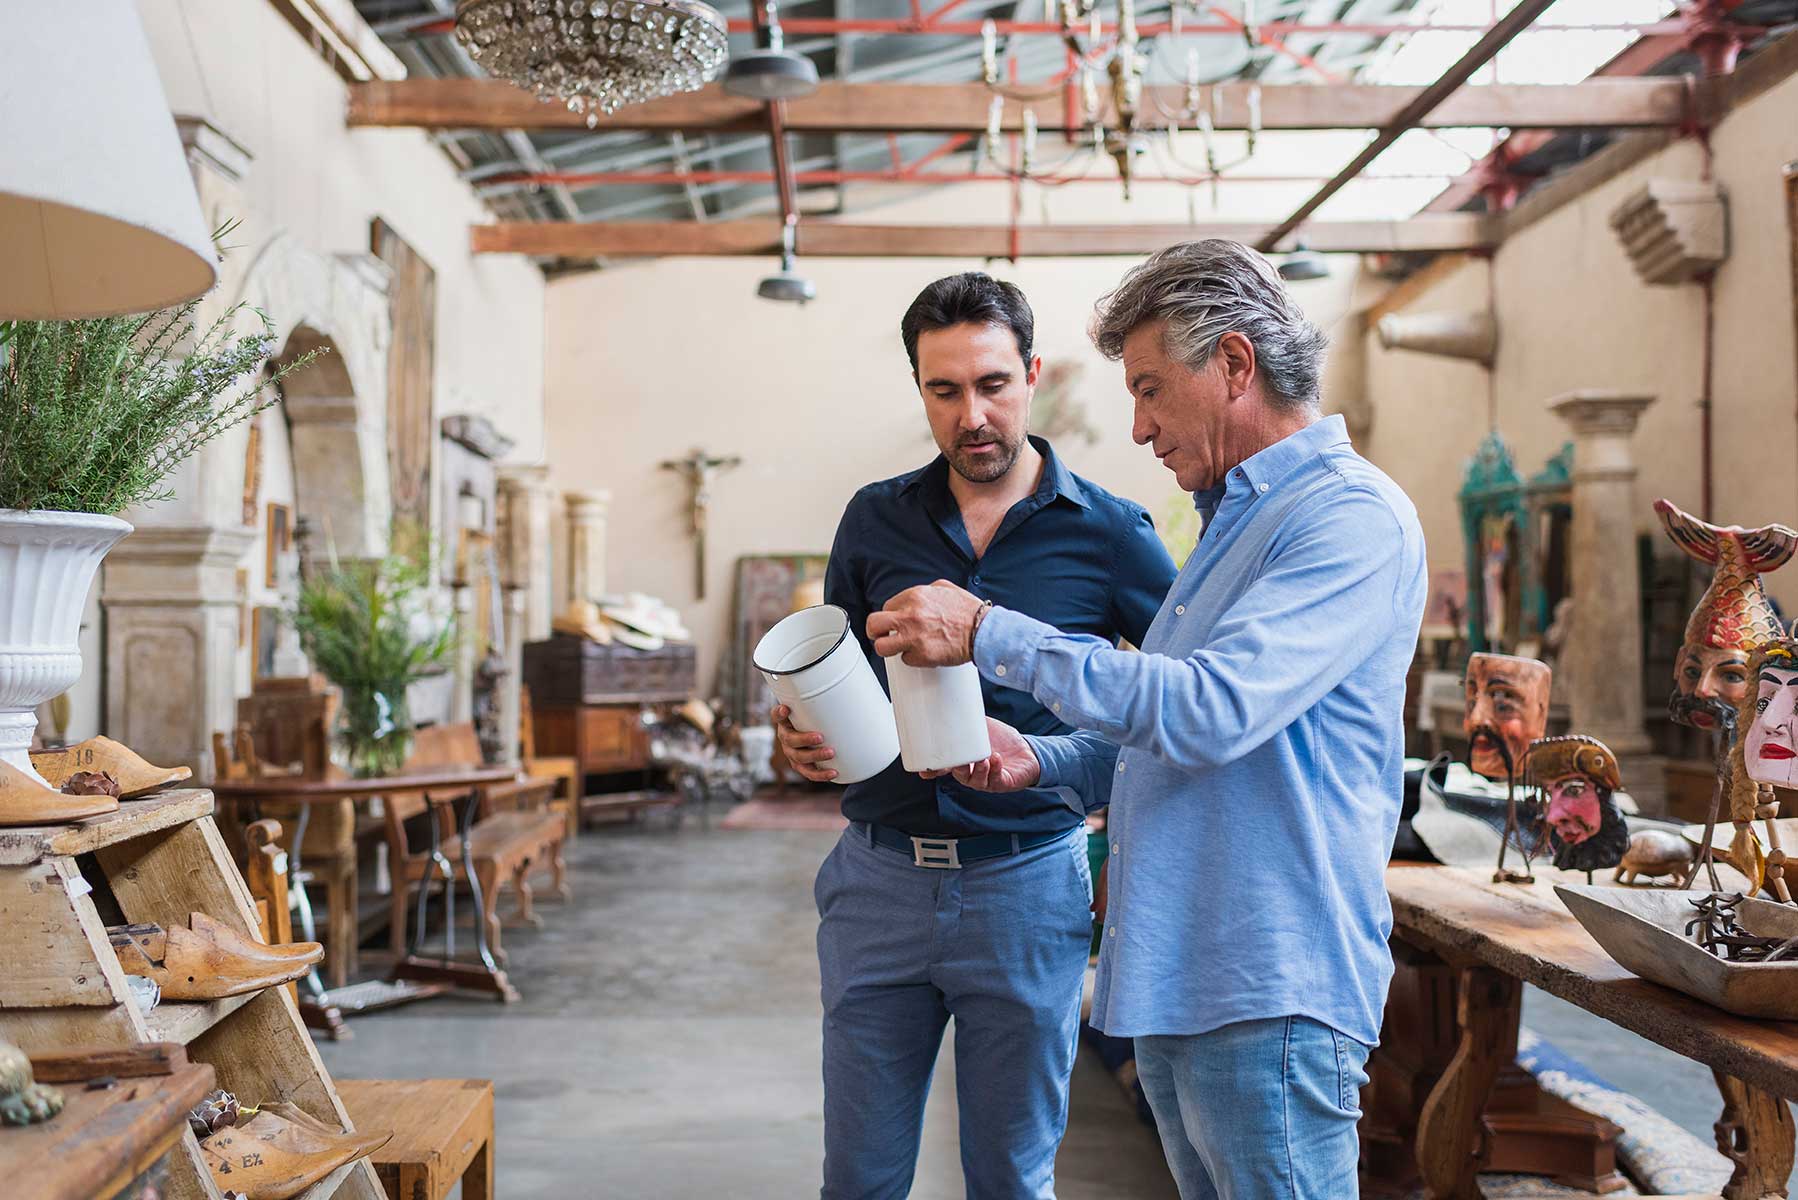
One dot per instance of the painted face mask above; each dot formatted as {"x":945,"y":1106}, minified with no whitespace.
{"x":1710,"y":674}
{"x":1507,"y":709}
{"x":1770,"y":749}
{"x":1586,"y":830}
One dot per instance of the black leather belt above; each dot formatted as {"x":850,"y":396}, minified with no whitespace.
{"x":949,"y":853}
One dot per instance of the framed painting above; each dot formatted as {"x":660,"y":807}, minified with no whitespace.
{"x":765,"y":588}
{"x":265,"y":636}
{"x":278,"y":539}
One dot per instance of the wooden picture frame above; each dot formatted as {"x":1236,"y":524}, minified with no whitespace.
{"x":265,"y":634}
{"x":278,"y":536}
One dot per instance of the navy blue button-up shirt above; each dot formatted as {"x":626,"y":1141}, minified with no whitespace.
{"x":1071,"y":554}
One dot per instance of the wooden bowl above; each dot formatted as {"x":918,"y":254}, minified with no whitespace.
{"x":1644,"y":930}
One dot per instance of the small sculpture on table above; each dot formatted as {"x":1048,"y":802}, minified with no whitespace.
{"x":1507,"y":709}
{"x":1579,"y":774}
{"x":1765,"y":756}
{"x":1711,"y":672}
{"x":22,"y":1100}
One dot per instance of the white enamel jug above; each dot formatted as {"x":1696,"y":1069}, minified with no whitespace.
{"x":942,"y":718}
{"x":814,"y":665}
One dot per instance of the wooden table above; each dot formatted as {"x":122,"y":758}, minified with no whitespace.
{"x":442,"y":1133}
{"x":304,"y":794}
{"x":1504,"y":935}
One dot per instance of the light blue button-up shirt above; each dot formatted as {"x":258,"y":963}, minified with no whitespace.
{"x":1252,"y":753}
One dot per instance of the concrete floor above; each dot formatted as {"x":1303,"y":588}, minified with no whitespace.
{"x":667,"y":1044}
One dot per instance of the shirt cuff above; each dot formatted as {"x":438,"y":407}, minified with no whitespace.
{"x":1057,"y":763}
{"x":1005,"y":647}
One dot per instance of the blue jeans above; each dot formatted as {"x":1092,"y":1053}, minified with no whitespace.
{"x":1258,"y":1109}
{"x":1000,"y":945}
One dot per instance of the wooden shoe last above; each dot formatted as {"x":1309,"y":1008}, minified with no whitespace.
{"x":208,"y":961}
{"x":124,"y":764}
{"x":25,"y":801}
{"x":281,"y":1151}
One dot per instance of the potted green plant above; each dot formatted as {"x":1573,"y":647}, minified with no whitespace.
{"x":367,"y":627}
{"x":94,"y":415}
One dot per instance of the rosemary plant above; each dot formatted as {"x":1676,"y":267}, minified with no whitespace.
{"x":95,"y":413}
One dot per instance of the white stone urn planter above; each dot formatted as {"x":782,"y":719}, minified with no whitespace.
{"x":47,"y":565}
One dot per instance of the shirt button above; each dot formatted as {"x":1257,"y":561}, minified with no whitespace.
{"x":1112,"y":932}
{"x":1115,"y":847}
{"x":999,"y":670}
{"x":1056,"y":707}
{"x":1120,"y":768}
{"x":1264,"y":487}
{"x":1179,"y":609}
{"x":976,"y":579}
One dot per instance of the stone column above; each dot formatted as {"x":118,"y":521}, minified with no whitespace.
{"x":170,"y":595}
{"x":1600,"y":671}
{"x":510,"y":703}
{"x":462,"y":662}
{"x":524,"y":510}
{"x":587,"y":543}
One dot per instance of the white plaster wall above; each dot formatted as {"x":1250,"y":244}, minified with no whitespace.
{"x":1572,"y":314}
{"x":239,"y":63}
{"x":647,"y":361}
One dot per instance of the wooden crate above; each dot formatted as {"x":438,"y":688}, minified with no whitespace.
{"x":568,"y":670}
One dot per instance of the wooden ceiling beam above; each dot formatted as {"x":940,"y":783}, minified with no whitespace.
{"x":832,"y":239}
{"x":950,"y":108}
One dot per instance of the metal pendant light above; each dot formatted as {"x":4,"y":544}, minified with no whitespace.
{"x":772,"y":74}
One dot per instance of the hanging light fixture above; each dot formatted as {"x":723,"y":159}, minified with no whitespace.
{"x":1302,"y":265}
{"x":596,"y":56}
{"x":786,"y":284}
{"x":98,"y":214}
{"x":772,"y":74}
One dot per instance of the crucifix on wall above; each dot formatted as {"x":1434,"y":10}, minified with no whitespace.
{"x":700,"y":470}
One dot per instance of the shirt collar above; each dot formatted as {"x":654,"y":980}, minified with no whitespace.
{"x":1267,"y":467}
{"x":1057,"y":480}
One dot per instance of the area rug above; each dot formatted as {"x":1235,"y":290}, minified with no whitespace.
{"x":816,"y":812}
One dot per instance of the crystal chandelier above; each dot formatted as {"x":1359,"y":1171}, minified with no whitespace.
{"x":1126,"y":64}
{"x":596,"y":56}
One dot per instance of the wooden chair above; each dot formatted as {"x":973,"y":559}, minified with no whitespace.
{"x":515,"y":835}
{"x":284,"y":728}
{"x":566,"y":770}
{"x":265,"y":870}
{"x":442,"y":1133}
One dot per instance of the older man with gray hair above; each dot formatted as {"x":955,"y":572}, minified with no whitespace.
{"x":1252,"y":752}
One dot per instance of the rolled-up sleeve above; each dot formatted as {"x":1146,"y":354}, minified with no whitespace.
{"x":1325,"y":598}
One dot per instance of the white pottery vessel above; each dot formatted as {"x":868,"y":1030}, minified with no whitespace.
{"x":941,"y":714}
{"x":815,"y":666}
{"x":47,"y":565}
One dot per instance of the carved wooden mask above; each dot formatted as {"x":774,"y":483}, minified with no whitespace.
{"x":1507,"y":709}
{"x":1770,"y":737}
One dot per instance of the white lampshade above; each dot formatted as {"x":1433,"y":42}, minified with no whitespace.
{"x":98,"y":213}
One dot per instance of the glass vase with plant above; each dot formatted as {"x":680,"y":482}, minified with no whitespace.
{"x":368,"y":628}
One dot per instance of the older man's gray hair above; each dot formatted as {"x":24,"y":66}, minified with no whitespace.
{"x":1203,"y":290}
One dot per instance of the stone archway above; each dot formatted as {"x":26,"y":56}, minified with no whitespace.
{"x":170,"y":589}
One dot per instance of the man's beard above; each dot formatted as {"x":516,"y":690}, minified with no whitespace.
{"x":1722,"y":713}
{"x":988,"y":467}
{"x":1602,"y":850}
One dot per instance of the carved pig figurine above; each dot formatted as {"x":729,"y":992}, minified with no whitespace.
{"x":1653,"y":853}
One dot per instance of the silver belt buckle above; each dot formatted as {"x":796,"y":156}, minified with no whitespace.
{"x":940,"y":853}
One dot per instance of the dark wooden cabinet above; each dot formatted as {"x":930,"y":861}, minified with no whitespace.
{"x":601,"y":738}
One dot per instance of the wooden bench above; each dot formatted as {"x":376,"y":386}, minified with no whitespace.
{"x":515,"y":835}
{"x":442,"y":1132}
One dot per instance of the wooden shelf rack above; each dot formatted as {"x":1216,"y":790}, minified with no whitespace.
{"x":64,"y":991}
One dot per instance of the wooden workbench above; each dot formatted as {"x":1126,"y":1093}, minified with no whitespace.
{"x":1504,"y":935}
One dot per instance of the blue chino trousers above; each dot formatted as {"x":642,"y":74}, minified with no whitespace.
{"x":1000,"y":945}
{"x":1258,"y":1109}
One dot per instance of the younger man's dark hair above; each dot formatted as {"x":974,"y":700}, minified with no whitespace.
{"x":973,"y":297}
